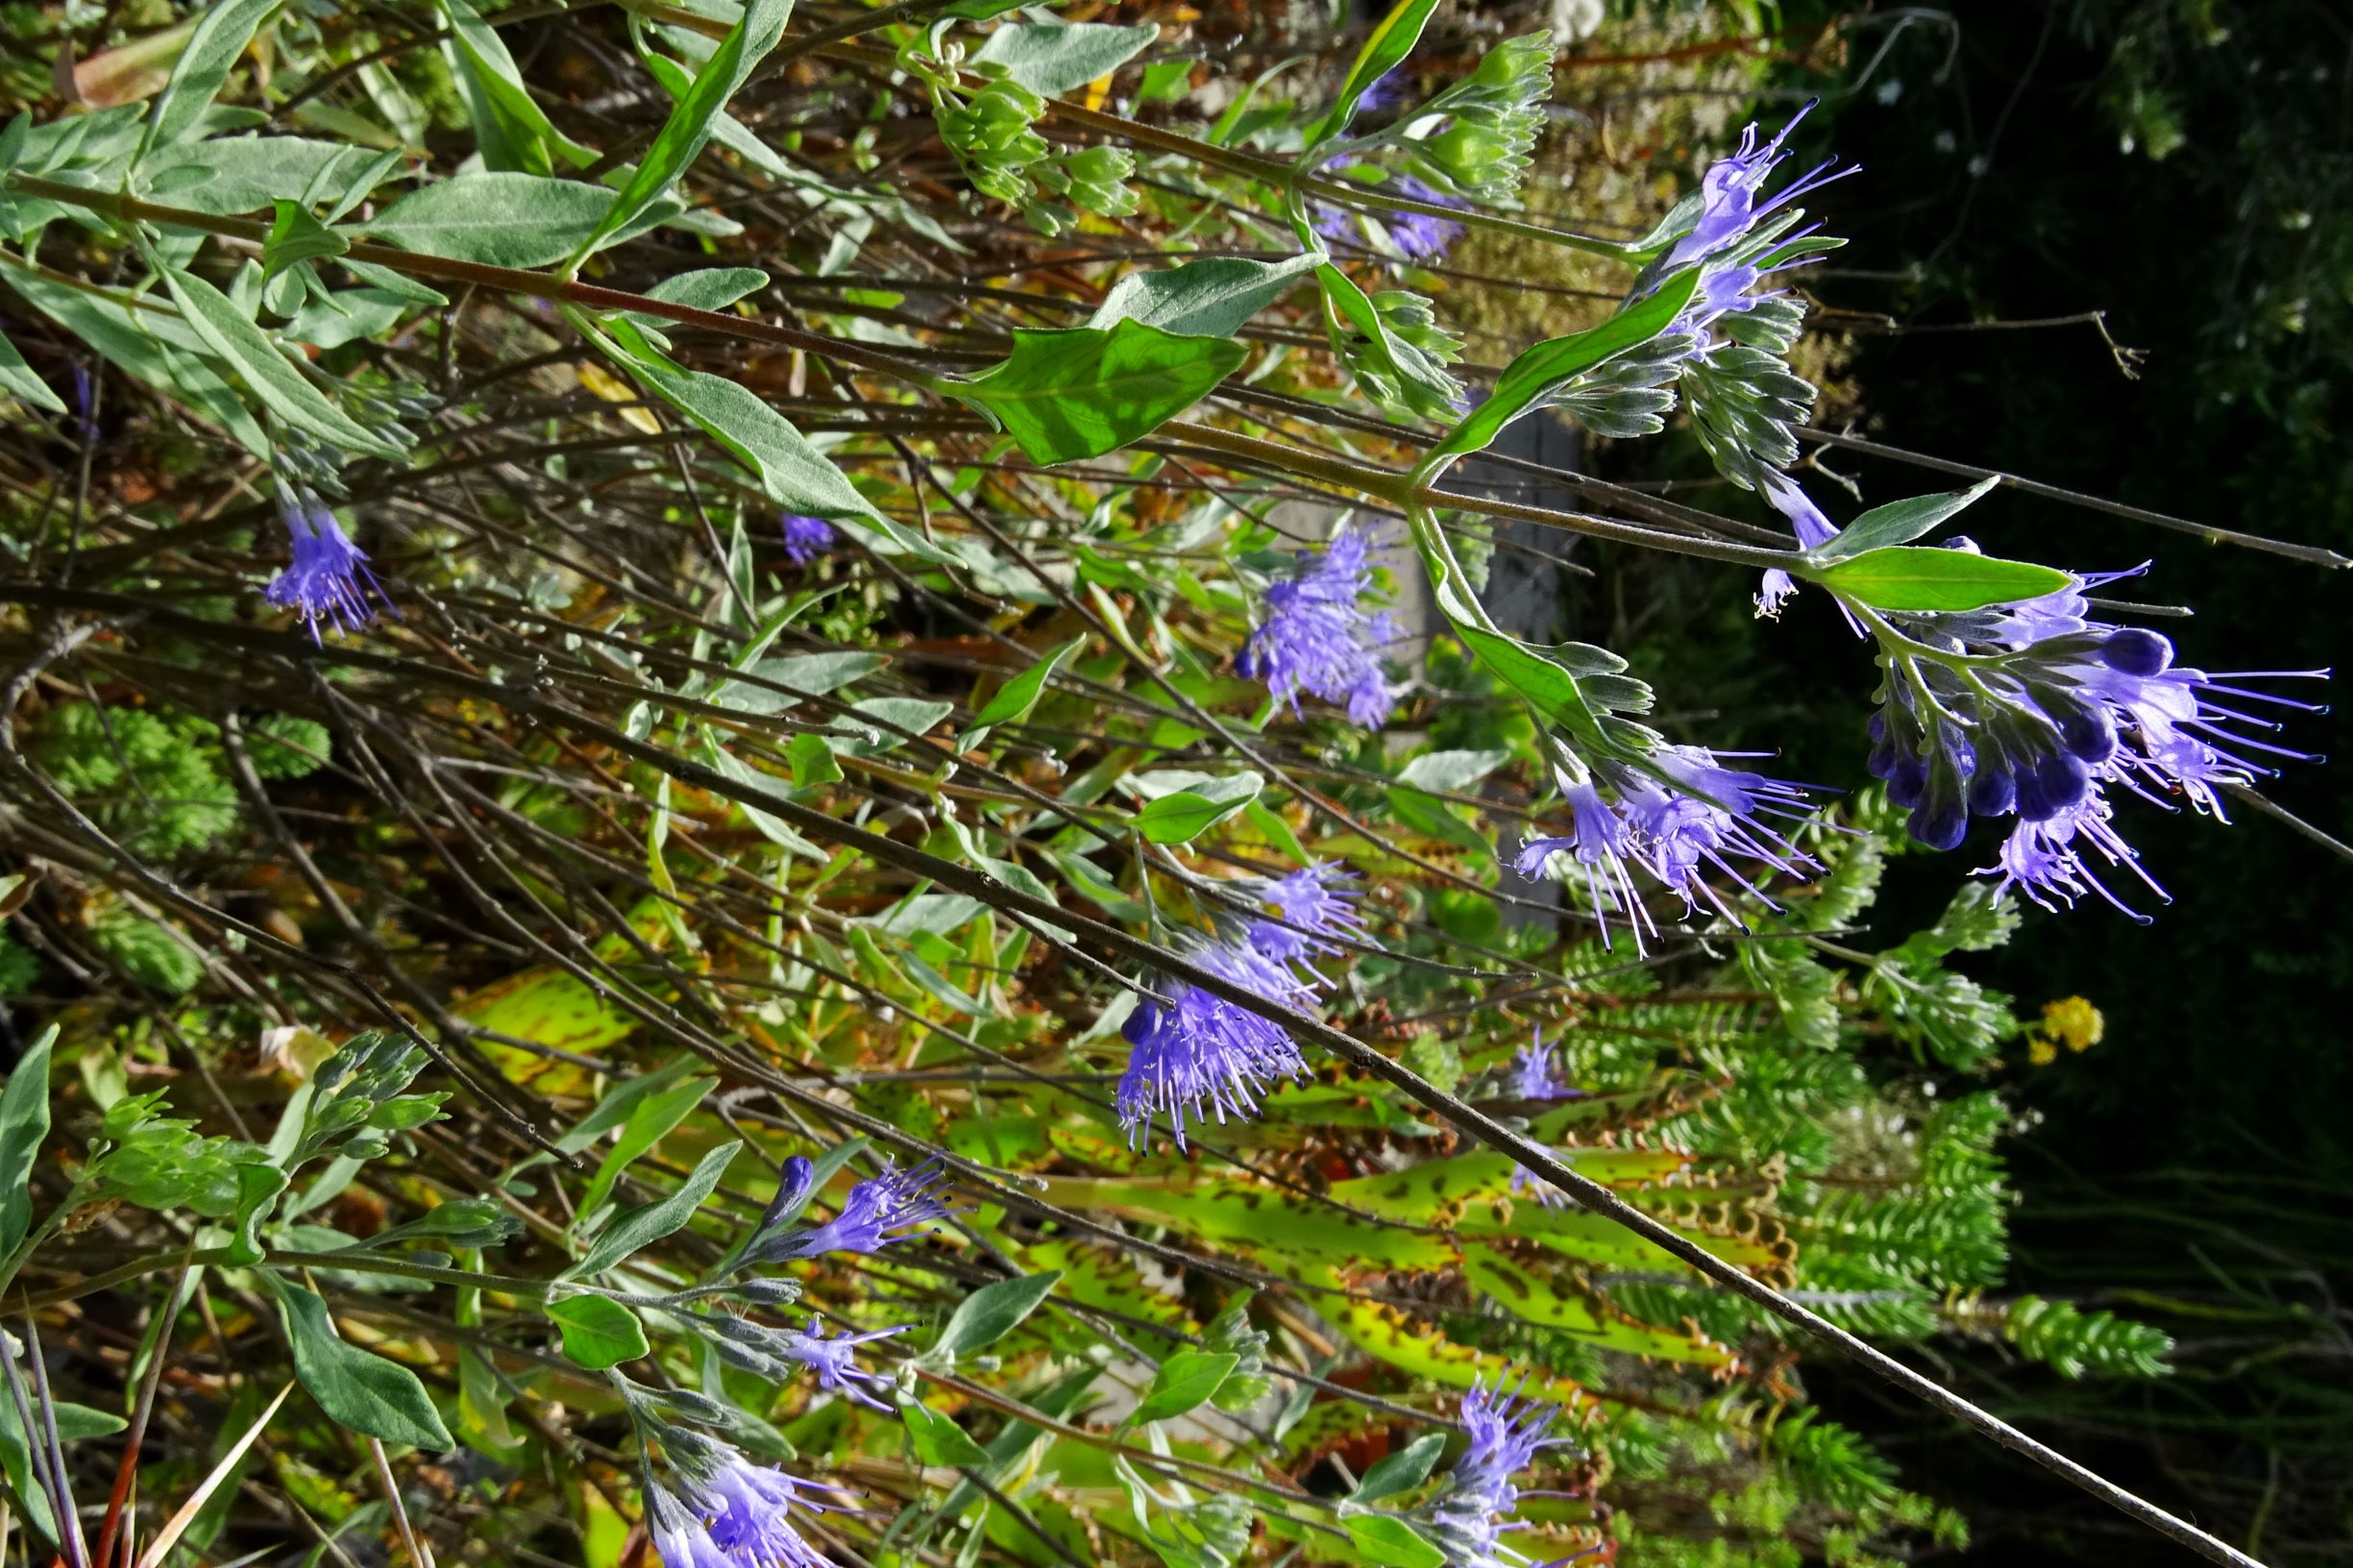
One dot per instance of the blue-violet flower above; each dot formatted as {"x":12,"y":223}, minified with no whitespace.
{"x":1319,"y":639}
{"x":880,"y":1209}
{"x":806,"y":538}
{"x":329,"y":577}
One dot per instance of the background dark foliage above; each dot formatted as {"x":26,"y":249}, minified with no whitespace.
{"x":2185,"y":169}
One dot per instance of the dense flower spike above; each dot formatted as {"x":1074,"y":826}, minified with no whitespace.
{"x":806,"y":538}
{"x":1318,"y":638}
{"x":329,"y":577}
{"x":2034,"y":709}
{"x":880,"y":1209}
{"x":1200,"y":1055}
{"x":834,"y":1361}
{"x":1685,"y":816}
{"x":1482,"y":1498}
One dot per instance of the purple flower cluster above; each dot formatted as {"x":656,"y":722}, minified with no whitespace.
{"x":880,"y":1209}
{"x":1676,"y":818}
{"x":1419,"y":236}
{"x":1197,"y":1054}
{"x":329,"y":577}
{"x":806,"y":538}
{"x":1318,"y":638}
{"x":729,"y":1513}
{"x":2037,"y":711}
{"x":1506,"y":1431}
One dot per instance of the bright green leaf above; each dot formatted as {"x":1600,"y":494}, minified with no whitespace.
{"x":24,"y":1122}
{"x":990,"y":1313}
{"x":1186,"y":1381}
{"x":1083,"y":391}
{"x":17,"y":376}
{"x":1409,"y":1467}
{"x":1053,"y":58}
{"x":1214,"y":297}
{"x":357,"y":1389}
{"x":634,"y":1228}
{"x":1545,"y":368}
{"x":248,"y":350}
{"x":938,"y":1439}
{"x":1185,"y":815}
{"x":1384,"y":51}
{"x":1899,"y":522}
{"x":1017,"y":697}
{"x":222,"y":34}
{"x":297,"y":236}
{"x":503,"y":218}
{"x":684,"y":133}
{"x":1391,"y":1542}
{"x":597,"y":1331}
{"x":793,"y":473}
{"x":1925,"y":579}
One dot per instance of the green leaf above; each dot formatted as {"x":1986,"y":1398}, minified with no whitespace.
{"x":17,"y":376}
{"x":1899,"y":522}
{"x":297,"y":236}
{"x":514,"y":133}
{"x":938,"y":1439}
{"x":648,"y":1223}
{"x":357,"y":1389}
{"x":1384,"y":51}
{"x":1450,"y":773}
{"x":1926,"y":578}
{"x":1543,"y":369}
{"x":653,"y":1118}
{"x":1214,"y":297}
{"x":1186,"y":1381}
{"x":1082,"y":391}
{"x":258,"y":1189}
{"x":1391,"y":1542}
{"x":1409,"y":1467}
{"x":1278,"y":831}
{"x":1052,"y":58}
{"x":1393,"y":370}
{"x":990,"y":1313}
{"x":503,"y":219}
{"x":1185,"y":815}
{"x":1428,"y":813}
{"x":1017,"y":697}
{"x":706,"y":289}
{"x":813,"y":762}
{"x":279,"y":385}
{"x":24,"y":1122}
{"x":622,"y":1101}
{"x":74,"y":1422}
{"x":1544,"y":676}
{"x":689,"y":126}
{"x":792,"y":472}
{"x":599,"y":1331}
{"x":222,"y":34}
